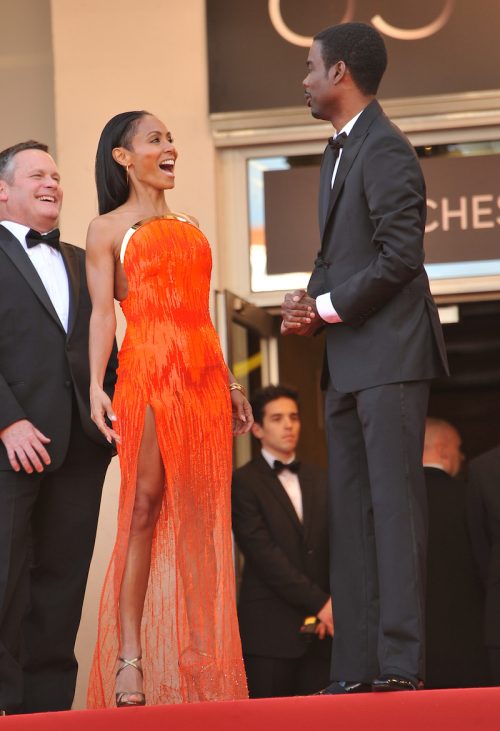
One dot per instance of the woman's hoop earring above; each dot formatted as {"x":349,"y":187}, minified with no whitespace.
{"x":126,"y":171}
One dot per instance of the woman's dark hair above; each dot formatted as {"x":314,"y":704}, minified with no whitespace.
{"x":110,"y":177}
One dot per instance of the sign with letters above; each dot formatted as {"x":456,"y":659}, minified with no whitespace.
{"x":463,"y":214}
{"x":463,"y":208}
{"x":257,"y":49}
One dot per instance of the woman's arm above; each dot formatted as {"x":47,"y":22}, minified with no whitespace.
{"x":101,"y":280}
{"x":242,"y":411}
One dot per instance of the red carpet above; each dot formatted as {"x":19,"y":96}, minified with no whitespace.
{"x":438,"y":710}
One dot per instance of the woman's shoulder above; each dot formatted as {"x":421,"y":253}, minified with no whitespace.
{"x":110,"y":228}
{"x":105,"y":223}
{"x":100,"y":233}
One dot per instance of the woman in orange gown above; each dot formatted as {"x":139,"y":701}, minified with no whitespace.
{"x":167,"y":628}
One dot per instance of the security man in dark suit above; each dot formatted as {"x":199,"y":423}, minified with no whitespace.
{"x":370,"y":292}
{"x":455,"y":652}
{"x":280,"y":525}
{"x":53,"y":460}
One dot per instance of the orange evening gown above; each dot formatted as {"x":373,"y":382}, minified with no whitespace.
{"x":171,"y":359}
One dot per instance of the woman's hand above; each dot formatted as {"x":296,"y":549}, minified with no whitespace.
{"x":242,"y":413}
{"x":100,"y":407}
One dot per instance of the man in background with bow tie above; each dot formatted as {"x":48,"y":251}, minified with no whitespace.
{"x":52,"y":458}
{"x":370,"y":292}
{"x":280,"y":526}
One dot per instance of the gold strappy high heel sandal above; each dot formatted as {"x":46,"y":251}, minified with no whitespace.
{"x":123,"y":698}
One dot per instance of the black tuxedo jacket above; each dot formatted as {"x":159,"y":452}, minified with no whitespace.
{"x":285,"y":576}
{"x":484,"y":523}
{"x":40,"y":365}
{"x":455,"y":654}
{"x":372,"y":261}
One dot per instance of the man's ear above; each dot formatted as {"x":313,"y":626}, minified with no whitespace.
{"x":337,"y":72}
{"x":257,"y":430}
{"x":4,"y":191}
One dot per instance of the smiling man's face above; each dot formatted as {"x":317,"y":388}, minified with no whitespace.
{"x":31,"y":194}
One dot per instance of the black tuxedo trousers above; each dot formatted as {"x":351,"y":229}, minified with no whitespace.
{"x":47,"y":531}
{"x":378,"y":529}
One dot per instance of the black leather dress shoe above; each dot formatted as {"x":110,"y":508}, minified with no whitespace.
{"x":392,"y":682}
{"x":337,"y":688}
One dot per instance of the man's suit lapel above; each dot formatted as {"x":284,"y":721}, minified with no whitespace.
{"x":349,"y":154}
{"x":325,"y":190}
{"x":73,"y":269}
{"x":11,"y":246}
{"x":278,"y":491}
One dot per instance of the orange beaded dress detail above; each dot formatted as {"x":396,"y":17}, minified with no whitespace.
{"x":171,"y":360}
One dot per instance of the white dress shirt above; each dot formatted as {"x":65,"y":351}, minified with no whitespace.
{"x":290,"y":482}
{"x":49,"y":265}
{"x":326,"y":310}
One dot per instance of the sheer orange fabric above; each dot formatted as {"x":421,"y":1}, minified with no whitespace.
{"x":171,"y":360}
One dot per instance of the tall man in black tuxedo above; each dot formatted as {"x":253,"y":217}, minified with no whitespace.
{"x":484,"y":524}
{"x":384,"y":343}
{"x":52,"y":458}
{"x":280,"y":524}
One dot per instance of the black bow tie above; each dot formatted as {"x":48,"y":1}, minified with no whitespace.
{"x":33,"y":238}
{"x":280,"y":466}
{"x":337,"y":143}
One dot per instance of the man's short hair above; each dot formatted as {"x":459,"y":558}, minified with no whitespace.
{"x":265,"y":395}
{"x":360,"y":47}
{"x":7,"y":156}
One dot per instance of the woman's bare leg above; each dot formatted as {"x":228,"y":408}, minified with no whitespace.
{"x":147,"y":505}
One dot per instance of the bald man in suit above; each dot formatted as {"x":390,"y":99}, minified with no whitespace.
{"x":455,"y":651}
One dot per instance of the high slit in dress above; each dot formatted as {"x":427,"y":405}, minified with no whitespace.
{"x":171,"y":361}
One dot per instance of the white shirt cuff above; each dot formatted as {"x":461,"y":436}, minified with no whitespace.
{"x":326,"y":310}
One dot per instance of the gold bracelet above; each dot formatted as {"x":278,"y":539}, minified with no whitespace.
{"x":237,"y":387}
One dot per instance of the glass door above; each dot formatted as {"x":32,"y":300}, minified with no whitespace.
{"x":248,"y":336}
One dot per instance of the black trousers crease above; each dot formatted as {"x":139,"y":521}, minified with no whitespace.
{"x":378,"y":530}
